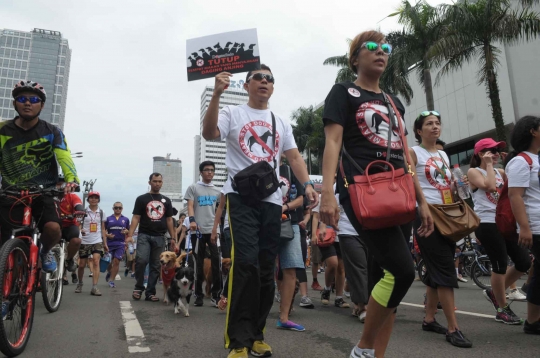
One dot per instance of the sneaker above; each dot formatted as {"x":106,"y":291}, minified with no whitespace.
{"x":261,"y":349}
{"x":347,"y":294}
{"x":362,"y":316}
{"x":132,"y":274}
{"x":126,"y":272}
{"x":277,"y":297}
{"x":71,"y":265}
{"x":528,"y":328}
{"x":434,"y":327}
{"x":91,"y":274}
{"x":118,"y":278}
{"x":488,"y":294}
{"x":214,"y":302}
{"x":291,"y":326}
{"x":95,"y":291}
{"x":111,"y":284}
{"x":5,"y":310}
{"x":365,"y":353}
{"x":315,"y":286}
{"x":79,"y":288}
{"x":107,"y":276}
{"x":321,"y":269}
{"x":48,"y":262}
{"x":305,"y":302}
{"x":461,"y":279}
{"x":74,"y":278}
{"x":238,"y":353}
{"x":507,"y":316}
{"x":65,"y":281}
{"x":457,"y":339}
{"x":340,"y":302}
{"x":325,"y":297}
{"x":198,"y":301}
{"x":516,"y":295}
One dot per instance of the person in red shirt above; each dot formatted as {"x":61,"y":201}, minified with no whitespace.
{"x":71,"y":210}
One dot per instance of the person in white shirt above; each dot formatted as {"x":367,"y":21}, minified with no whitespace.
{"x":524,"y":195}
{"x":94,"y":241}
{"x":255,"y":228}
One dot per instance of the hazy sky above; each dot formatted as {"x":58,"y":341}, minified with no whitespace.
{"x":128,"y":97}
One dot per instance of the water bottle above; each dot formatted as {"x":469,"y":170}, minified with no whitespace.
{"x":130,"y":248}
{"x":462,"y":188}
{"x":293,"y":194}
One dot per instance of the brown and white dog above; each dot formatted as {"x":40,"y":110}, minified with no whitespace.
{"x":225,"y":267}
{"x":169,"y":264}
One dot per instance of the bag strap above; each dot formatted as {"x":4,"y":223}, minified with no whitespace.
{"x":274,"y":138}
{"x":527,"y":159}
{"x":392,"y":111}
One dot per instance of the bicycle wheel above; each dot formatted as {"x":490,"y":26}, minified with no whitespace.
{"x":51,"y":283}
{"x":481,"y":272}
{"x":16,"y":324}
{"x":422,"y":271}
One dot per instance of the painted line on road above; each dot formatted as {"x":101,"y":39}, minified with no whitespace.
{"x":458,"y":311}
{"x":134,"y":333}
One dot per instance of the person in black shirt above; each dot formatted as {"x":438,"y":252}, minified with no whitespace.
{"x":153,"y":214}
{"x":355,"y":116}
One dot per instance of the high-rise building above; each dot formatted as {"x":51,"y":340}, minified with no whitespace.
{"x":171,"y":169}
{"x":41,"y":56}
{"x":215,"y":150}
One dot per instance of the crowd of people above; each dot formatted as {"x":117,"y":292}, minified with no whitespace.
{"x":268,"y":215}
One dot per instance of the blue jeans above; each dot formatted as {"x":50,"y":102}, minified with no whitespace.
{"x":148,"y":250}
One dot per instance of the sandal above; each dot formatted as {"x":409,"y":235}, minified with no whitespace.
{"x":151,"y":298}
{"x":136,"y":295}
{"x":356,"y":312}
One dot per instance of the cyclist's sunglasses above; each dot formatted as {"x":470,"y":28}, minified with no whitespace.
{"x":427,"y":114}
{"x":260,"y":76}
{"x":373,"y":47}
{"x":32,"y":99}
{"x":117,"y":208}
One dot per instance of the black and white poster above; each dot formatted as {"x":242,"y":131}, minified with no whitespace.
{"x":234,"y":52}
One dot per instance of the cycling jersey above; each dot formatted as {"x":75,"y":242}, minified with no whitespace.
{"x":30,"y":157}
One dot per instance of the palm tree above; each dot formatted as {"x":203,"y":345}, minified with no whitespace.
{"x":345,"y":74}
{"x":475,"y":31}
{"x":308,"y":131}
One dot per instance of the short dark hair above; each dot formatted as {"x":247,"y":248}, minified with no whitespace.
{"x":154,"y":175}
{"x":419,"y":123}
{"x":206,"y":163}
{"x":263,"y":67}
{"x":441,"y":143}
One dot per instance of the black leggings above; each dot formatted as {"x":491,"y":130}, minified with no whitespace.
{"x":389,"y":250}
{"x":498,"y":249}
{"x":533,"y":294}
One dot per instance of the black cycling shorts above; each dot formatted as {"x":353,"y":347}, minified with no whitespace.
{"x":70,"y":232}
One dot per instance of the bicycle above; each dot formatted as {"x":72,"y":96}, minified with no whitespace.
{"x":19,"y":273}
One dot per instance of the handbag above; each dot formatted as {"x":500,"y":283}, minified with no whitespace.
{"x":328,"y":239}
{"x":454,"y":221}
{"x":387,"y":198}
{"x":259,"y":180}
{"x":287,"y":233}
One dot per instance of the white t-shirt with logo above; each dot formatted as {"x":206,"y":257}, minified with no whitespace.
{"x":485,"y":203}
{"x":520,"y":175}
{"x":248,"y":133}
{"x":93,"y":220}
{"x":433,"y":173}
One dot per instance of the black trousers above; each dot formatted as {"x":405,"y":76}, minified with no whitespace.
{"x":199,"y":249}
{"x":254,"y":234}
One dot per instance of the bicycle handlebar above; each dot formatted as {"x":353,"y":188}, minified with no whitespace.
{"x":31,"y":191}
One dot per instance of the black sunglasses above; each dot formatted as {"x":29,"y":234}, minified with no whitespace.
{"x":260,"y":76}
{"x":493,"y":150}
{"x":32,"y":99}
{"x":117,"y":208}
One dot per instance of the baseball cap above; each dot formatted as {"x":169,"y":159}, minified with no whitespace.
{"x":94,"y":193}
{"x":487,"y":143}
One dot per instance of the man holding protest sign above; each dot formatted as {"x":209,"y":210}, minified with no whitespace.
{"x":255,"y":137}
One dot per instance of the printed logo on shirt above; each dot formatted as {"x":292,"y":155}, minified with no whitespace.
{"x":373,"y":122}
{"x":493,"y":197}
{"x":206,"y":200}
{"x":435,"y":175}
{"x":155,"y":210}
{"x":354,"y":92}
{"x":256,"y":141}
{"x":285,"y":188}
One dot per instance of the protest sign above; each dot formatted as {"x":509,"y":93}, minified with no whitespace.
{"x":234,"y":52}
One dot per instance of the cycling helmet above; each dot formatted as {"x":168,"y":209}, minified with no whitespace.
{"x":35,"y":87}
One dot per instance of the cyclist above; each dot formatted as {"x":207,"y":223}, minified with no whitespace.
{"x":30,"y":151}
{"x":70,"y":205}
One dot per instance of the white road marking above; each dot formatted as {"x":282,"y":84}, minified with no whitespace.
{"x":458,"y":311}
{"x":134,"y":334}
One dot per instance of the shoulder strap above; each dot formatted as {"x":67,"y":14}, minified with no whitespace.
{"x":406,"y":154}
{"x":527,"y":159}
{"x":274,"y":139}
{"x":101,"y":215}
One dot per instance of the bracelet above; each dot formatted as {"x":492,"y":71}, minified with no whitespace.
{"x":309,"y":182}
{"x":191,"y":219}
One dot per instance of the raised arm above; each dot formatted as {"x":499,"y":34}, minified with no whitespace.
{"x":210,"y":129}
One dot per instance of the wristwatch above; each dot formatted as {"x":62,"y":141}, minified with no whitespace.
{"x":310,"y":182}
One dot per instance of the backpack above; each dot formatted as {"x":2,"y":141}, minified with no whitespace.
{"x":504,"y":217}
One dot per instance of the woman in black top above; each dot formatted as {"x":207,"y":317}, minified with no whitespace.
{"x":356,"y":116}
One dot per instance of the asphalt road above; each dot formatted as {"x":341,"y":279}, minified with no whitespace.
{"x":88,"y":326}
